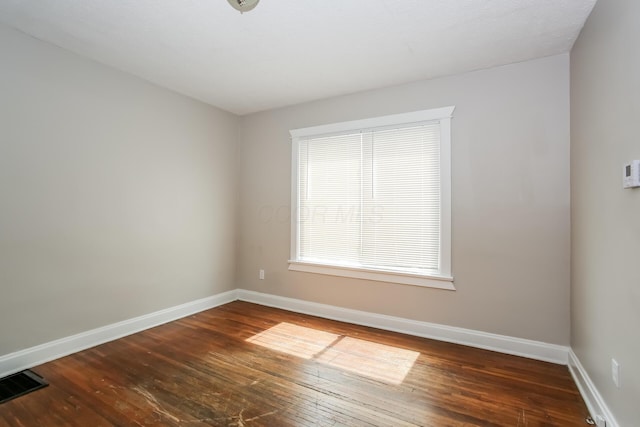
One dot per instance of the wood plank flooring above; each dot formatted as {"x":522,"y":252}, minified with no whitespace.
{"x":245,"y":365}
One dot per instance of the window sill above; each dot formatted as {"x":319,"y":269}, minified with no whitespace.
{"x":438,"y":282}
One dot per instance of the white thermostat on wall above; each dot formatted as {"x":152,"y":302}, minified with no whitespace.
{"x":631,"y":174}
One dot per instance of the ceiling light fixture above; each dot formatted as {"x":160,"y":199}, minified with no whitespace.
{"x":243,"y":5}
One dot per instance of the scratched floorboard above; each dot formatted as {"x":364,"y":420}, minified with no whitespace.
{"x":242,"y":365}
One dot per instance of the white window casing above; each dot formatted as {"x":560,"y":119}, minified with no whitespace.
{"x":371,"y":199}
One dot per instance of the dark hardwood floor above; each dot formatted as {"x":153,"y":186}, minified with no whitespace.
{"x":245,"y":365}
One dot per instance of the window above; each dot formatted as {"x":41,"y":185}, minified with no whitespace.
{"x":371,"y":199}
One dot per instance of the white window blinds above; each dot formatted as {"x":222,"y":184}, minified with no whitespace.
{"x":372,"y":199}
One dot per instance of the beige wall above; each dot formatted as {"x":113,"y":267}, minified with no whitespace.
{"x":510,"y":148}
{"x":605,"y":134}
{"x":117,"y":197}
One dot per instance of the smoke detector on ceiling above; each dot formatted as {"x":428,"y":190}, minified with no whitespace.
{"x":243,"y":5}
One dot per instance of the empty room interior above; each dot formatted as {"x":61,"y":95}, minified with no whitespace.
{"x":320,"y":213}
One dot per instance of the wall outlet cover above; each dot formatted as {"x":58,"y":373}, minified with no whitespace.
{"x":631,"y":174}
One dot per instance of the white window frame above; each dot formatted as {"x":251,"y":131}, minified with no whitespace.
{"x":444,"y":278}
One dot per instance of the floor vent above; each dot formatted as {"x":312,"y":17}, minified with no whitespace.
{"x":20,"y":384}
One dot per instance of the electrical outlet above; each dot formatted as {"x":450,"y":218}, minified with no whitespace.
{"x":631,"y":174}
{"x":261,"y":274}
{"x":615,"y":372}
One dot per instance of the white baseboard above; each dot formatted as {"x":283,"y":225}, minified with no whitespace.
{"x":27,"y":358}
{"x":598,"y":409}
{"x":24,"y":359}
{"x":500,"y":343}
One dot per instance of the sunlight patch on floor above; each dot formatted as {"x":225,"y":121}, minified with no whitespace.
{"x":295,"y":340}
{"x":373,"y":360}
{"x":377,"y":361}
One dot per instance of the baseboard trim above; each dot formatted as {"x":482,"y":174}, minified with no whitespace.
{"x":27,"y":358}
{"x":504,"y":344}
{"x":598,"y":408}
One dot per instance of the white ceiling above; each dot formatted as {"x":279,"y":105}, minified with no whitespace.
{"x":286,"y":52}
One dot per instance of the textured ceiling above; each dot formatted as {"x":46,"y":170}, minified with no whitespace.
{"x":285,"y":52}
